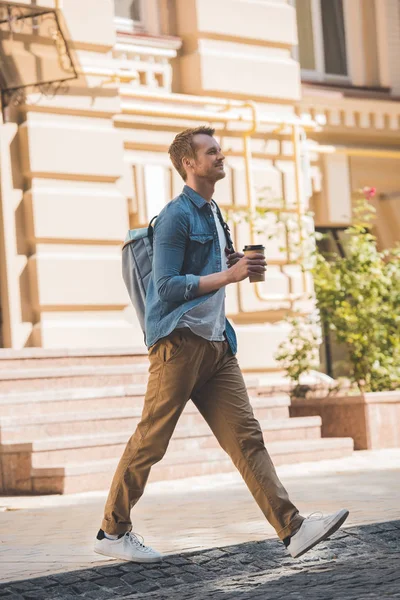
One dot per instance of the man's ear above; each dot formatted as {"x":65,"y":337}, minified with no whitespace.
{"x":187,"y":163}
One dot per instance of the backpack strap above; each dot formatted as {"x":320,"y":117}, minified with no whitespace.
{"x":135,"y":234}
{"x":150,"y":230}
{"x":226,"y":229}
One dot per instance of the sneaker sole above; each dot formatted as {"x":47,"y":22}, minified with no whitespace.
{"x":334,"y":527}
{"x":138,"y":560}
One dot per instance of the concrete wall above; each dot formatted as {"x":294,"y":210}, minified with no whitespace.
{"x":221,"y":56}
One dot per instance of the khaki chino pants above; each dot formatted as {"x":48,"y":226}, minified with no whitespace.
{"x":184,"y":366}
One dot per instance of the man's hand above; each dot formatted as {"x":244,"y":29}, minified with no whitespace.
{"x":232,"y":257}
{"x":240,"y":267}
{"x":245,"y":266}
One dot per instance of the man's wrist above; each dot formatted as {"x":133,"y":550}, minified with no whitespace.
{"x":228,"y":277}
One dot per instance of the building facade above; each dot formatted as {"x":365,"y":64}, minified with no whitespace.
{"x":304,"y":96}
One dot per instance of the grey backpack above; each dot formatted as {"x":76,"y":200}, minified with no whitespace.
{"x":137,"y":262}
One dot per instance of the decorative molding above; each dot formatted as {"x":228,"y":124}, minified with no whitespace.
{"x":147,"y":59}
{"x":332,"y":109}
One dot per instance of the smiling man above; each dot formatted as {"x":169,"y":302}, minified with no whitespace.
{"x":192,"y":348}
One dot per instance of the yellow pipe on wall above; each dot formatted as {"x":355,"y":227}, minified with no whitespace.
{"x":251,"y":201}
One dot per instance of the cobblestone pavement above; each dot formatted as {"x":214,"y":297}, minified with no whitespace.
{"x":46,"y":543}
{"x":356,"y":564}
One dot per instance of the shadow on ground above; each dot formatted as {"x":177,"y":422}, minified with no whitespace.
{"x":356,"y":564}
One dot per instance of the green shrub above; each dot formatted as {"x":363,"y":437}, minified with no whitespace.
{"x":298,"y":354}
{"x":358,"y":298}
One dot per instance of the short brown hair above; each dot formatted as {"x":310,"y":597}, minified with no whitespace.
{"x":183,"y":146}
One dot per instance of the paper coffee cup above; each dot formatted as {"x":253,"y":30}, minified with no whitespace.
{"x":255,"y":249}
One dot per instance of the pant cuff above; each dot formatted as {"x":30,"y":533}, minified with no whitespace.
{"x":115,"y":528}
{"x":293,"y":526}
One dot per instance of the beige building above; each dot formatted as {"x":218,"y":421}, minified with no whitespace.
{"x":303,"y":94}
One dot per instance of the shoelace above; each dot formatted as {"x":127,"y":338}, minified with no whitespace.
{"x":315,"y":516}
{"x":133,"y":539}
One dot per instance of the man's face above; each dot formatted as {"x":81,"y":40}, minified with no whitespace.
{"x":209,"y":161}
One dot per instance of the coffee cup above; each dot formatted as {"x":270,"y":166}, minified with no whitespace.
{"x":255,"y":249}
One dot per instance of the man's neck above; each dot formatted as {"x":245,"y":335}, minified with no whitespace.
{"x":204,"y":188}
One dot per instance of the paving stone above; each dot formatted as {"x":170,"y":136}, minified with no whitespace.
{"x":66,"y":578}
{"x":144,"y":587}
{"x":110,"y":571}
{"x":22,"y":586}
{"x":200,"y":571}
{"x":177,"y":560}
{"x":47,"y":583}
{"x":131,"y":568}
{"x":200,"y":559}
{"x":116,"y":583}
{"x":88,"y":575}
{"x":100,"y":594}
{"x":133,"y":578}
{"x":62,"y":595}
{"x":41,"y":594}
{"x":155,"y":574}
{"x":172,"y":570}
{"x":215,"y":554}
{"x":84,"y":587}
{"x":188,"y":578}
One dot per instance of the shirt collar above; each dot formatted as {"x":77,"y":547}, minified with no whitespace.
{"x":198,"y":200}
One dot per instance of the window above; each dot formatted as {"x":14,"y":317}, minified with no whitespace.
{"x":322,"y":39}
{"x":332,"y":354}
{"x":333,"y":242}
{"x":129,"y":14}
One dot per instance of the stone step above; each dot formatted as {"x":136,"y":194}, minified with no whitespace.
{"x":17,"y":459}
{"x":60,"y":451}
{"x":24,"y":380}
{"x":71,"y":400}
{"x":36,"y":426}
{"x":29,"y":358}
{"x":100,"y":398}
{"x":97,"y":475}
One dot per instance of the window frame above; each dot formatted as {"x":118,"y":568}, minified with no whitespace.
{"x":129,"y":25}
{"x":318,"y":74}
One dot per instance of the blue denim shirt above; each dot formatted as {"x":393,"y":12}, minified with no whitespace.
{"x":185,"y":247}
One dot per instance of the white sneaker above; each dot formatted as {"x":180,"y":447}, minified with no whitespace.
{"x":126,"y":547}
{"x":314,"y":530}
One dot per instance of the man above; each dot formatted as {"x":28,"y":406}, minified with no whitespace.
{"x":192,"y":351}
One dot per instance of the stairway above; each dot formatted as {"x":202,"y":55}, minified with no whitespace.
{"x":65,"y":417}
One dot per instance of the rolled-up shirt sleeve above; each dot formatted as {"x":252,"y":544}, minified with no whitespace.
{"x":171,"y":233}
